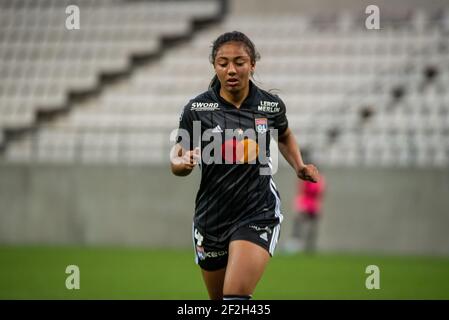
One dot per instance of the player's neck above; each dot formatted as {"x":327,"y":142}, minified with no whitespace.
{"x":235,"y":98}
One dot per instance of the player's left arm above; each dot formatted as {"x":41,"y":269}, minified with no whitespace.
{"x":290,"y":151}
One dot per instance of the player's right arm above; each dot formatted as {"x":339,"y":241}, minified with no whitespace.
{"x":183,"y":162}
{"x":184,"y":156}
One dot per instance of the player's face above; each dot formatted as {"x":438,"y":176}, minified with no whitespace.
{"x":233,"y":66}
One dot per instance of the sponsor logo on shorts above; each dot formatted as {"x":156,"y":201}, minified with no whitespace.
{"x":199,"y":238}
{"x":216,"y":254}
{"x":200,"y":252}
{"x":257,"y":228}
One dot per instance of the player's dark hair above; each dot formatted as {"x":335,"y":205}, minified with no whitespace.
{"x":234,"y":36}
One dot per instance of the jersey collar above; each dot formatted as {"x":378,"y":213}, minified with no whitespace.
{"x":248,"y":103}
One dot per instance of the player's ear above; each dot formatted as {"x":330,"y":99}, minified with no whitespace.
{"x":253,"y":67}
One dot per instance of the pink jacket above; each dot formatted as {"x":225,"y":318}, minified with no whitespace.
{"x":309,"y":197}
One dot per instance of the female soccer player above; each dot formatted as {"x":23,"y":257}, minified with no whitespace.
{"x":237,"y":210}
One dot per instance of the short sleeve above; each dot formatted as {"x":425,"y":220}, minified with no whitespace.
{"x":185,"y":131}
{"x":280,"y":120}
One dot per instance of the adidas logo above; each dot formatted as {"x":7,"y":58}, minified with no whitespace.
{"x":264,"y":236}
{"x":217,"y":129}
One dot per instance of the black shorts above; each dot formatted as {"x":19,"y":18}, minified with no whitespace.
{"x":213,"y":256}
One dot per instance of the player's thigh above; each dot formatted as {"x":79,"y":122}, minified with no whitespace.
{"x":246,"y":264}
{"x":214,"y":281}
{"x":212,"y":258}
{"x":250,"y":249}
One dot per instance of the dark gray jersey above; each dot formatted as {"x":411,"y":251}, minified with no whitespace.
{"x":236,"y":187}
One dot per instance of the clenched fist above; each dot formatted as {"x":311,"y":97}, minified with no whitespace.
{"x":309,"y":173}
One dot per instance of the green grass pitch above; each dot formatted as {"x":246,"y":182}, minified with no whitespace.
{"x":125,"y":273}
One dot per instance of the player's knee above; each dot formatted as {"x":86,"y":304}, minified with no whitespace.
{"x":239,"y":290}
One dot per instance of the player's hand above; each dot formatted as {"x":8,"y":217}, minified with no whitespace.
{"x":191,"y":158}
{"x":309,"y":173}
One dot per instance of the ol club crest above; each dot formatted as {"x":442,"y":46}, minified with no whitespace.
{"x":261,"y":125}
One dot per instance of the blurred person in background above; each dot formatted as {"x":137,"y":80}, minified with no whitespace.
{"x":237,"y":210}
{"x":307,"y":205}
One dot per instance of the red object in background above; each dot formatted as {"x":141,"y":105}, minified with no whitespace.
{"x":309,"y":197}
